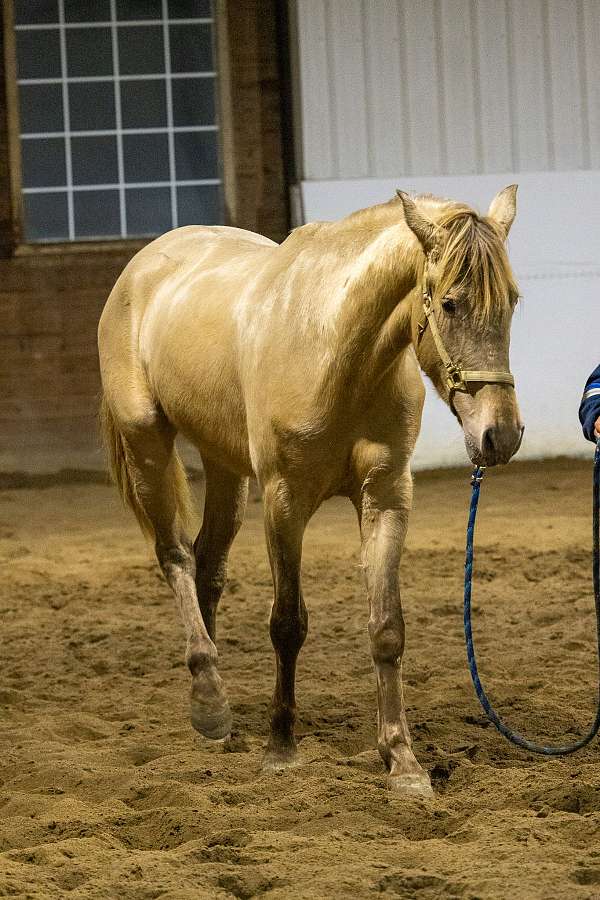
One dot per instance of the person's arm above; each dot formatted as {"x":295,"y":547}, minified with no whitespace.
{"x":589,"y":411}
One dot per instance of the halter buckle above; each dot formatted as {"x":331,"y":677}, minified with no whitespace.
{"x":454,"y":379}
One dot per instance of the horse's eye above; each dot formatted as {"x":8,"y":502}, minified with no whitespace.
{"x":449,"y":306}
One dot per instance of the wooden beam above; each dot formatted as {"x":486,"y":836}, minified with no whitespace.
{"x":250,"y":88}
{"x":10,"y":163}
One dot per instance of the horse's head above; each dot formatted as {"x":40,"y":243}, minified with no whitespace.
{"x":462,"y":316}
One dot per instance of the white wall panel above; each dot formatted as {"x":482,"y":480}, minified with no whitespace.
{"x":591,"y":55}
{"x":441,"y":87}
{"x":529,"y":80}
{"x":427,"y":136}
{"x":566,"y":117}
{"x":318,"y":144}
{"x":457,"y":68}
{"x":492,"y":74}
{"x":348,"y":74}
{"x":386,"y":83}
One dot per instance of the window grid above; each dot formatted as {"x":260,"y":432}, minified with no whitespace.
{"x":66,"y":119}
{"x":122,"y":23}
{"x":181,"y":182}
{"x":122,"y":185}
{"x":112,"y":132}
{"x":119,"y":129}
{"x":171,"y":137}
{"x":83,"y":79}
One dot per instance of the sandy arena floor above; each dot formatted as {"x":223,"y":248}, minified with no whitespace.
{"x":106,"y":791}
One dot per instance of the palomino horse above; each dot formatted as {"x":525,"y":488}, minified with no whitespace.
{"x":299,"y":363}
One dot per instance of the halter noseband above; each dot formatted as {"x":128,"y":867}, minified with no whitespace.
{"x":457,"y":378}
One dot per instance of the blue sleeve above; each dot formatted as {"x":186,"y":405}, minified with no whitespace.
{"x":589,"y":410}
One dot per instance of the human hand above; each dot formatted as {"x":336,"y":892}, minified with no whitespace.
{"x":597,"y":428}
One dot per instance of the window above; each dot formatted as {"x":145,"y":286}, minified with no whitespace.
{"x":118,"y":124}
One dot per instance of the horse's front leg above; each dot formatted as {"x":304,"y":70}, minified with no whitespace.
{"x":284,"y":528}
{"x":383,"y":510}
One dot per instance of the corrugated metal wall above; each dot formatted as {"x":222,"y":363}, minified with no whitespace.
{"x":448,"y":87}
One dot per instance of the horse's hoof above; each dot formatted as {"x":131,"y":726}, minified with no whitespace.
{"x":415,"y":785}
{"x":210,"y":711}
{"x":212,"y":720}
{"x":279,"y":760}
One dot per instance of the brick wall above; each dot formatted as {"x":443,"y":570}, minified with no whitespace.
{"x":50,"y":302}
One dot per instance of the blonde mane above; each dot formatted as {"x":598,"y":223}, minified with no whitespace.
{"x":474,"y":254}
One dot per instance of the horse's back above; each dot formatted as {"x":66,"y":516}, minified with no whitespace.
{"x":191,"y":242}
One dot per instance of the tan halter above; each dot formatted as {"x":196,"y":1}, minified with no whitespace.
{"x":457,"y":378}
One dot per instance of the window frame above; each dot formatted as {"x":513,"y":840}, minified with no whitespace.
{"x":22,"y":247}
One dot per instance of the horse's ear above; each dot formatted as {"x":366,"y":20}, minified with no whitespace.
{"x":425,"y":231}
{"x":503,"y":208}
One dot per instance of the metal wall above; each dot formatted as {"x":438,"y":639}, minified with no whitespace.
{"x":448,"y":87}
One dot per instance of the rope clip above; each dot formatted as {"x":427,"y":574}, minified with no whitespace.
{"x":478,"y":473}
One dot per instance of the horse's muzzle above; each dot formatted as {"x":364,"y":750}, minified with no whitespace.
{"x":499,"y":443}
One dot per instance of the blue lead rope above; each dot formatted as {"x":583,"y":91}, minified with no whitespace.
{"x":491,"y":713}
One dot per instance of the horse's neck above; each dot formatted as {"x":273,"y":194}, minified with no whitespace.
{"x":373,"y":316}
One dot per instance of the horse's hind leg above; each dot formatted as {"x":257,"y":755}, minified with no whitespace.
{"x":154,"y":470}
{"x":224,"y":507}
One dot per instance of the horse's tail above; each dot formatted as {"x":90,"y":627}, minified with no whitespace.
{"x":129,"y":479}
{"x":121,"y":468}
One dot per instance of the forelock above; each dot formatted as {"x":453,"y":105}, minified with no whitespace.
{"x":474,"y":256}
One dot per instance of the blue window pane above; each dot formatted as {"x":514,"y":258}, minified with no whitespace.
{"x":199,"y":204}
{"x":87,"y":10}
{"x":46,"y":216}
{"x":41,"y":108}
{"x":43,"y":162}
{"x":97,"y":214}
{"x":141,"y":50}
{"x":35,"y":12}
{"x":189,"y":9}
{"x":89,"y":52}
{"x":193,"y":101}
{"x":191,"y":48}
{"x":92,"y":106}
{"x":144,"y":103}
{"x":146,"y":157}
{"x":94,"y":160}
{"x":38,"y":53}
{"x":148,"y":211}
{"x":139,"y":9}
{"x":196,"y":155}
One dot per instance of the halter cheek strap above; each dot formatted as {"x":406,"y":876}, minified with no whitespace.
{"x":457,"y":378}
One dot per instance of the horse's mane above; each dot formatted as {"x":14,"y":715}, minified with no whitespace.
{"x":474,"y":252}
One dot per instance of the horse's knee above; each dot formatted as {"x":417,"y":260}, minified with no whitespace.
{"x":211,"y":573}
{"x":175,"y":559}
{"x":387,"y":489}
{"x":288,"y":628}
{"x":387,"y":641}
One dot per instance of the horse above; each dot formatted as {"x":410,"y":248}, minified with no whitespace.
{"x":299,"y":364}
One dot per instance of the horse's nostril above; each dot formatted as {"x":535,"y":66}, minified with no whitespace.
{"x":488,"y":445}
